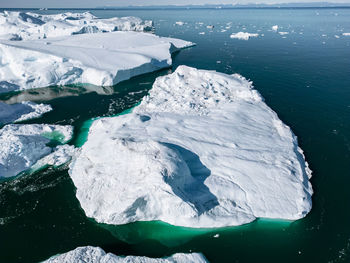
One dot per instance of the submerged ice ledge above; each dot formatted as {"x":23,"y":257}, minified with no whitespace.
{"x":202,"y":150}
{"x":96,"y":255}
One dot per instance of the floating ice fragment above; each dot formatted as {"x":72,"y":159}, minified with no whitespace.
{"x":275,"y":28}
{"x":243,"y":35}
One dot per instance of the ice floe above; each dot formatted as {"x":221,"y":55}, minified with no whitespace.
{"x":346,"y":34}
{"x":22,"y":145}
{"x":275,"y":28}
{"x":101,"y":59}
{"x":21,"y":111}
{"x":243,"y":35}
{"x":98,"y":255}
{"x":23,"y":26}
{"x":202,"y":150}
{"x":283,"y":33}
{"x":179,"y":23}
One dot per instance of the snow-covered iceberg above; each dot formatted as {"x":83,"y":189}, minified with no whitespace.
{"x":97,"y":255}
{"x":21,"y":111}
{"x":25,"y":26}
{"x":101,"y":59}
{"x":202,"y":150}
{"x":23,"y":145}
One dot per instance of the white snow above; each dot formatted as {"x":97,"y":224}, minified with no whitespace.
{"x":101,"y":59}
{"x":202,"y":150}
{"x":283,"y":33}
{"x":243,"y":35}
{"x":21,"y":111}
{"x":21,"y":146}
{"x":23,"y":26}
{"x":275,"y":27}
{"x":346,"y":34}
{"x":98,"y":255}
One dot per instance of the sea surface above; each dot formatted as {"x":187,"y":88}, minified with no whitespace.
{"x":304,"y":76}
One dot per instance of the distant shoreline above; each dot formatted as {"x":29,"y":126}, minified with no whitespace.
{"x":178,"y":8}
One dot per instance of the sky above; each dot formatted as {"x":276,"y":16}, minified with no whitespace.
{"x":99,"y":3}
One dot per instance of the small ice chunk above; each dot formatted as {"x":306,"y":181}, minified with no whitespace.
{"x":275,"y":27}
{"x":243,"y":35}
{"x":346,"y":34}
{"x":180,"y":23}
{"x":283,"y":33}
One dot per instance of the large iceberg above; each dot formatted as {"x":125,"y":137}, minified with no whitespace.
{"x":21,"y":111}
{"x":97,"y":255}
{"x":101,"y":59}
{"x":23,"y":145}
{"x":24,"y":26}
{"x":202,"y":150}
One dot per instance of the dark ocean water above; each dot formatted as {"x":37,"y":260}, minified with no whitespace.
{"x":304,"y":76}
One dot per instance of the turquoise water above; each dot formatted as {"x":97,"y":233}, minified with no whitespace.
{"x":304,"y":77}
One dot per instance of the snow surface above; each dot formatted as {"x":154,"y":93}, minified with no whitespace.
{"x":21,"y":111}
{"x":24,"y":26}
{"x":101,"y":59}
{"x":22,"y":145}
{"x":97,"y":255}
{"x":202,"y":150}
{"x":243,"y":35}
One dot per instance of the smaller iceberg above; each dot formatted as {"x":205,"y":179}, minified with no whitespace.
{"x":23,"y":145}
{"x":29,"y":26}
{"x":97,"y":255}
